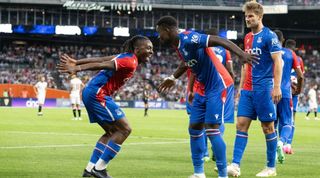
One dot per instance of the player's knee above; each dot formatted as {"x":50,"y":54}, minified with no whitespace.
{"x":243,"y":127}
{"x":126,"y":131}
{"x":267,"y":129}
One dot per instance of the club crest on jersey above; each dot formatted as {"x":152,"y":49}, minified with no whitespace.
{"x":259,"y":39}
{"x":194,"y":38}
{"x":216,"y":115}
{"x":270,"y":114}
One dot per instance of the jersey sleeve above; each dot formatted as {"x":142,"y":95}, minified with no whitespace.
{"x":124,"y":63}
{"x":295,"y":62}
{"x":228,"y":56}
{"x":197,"y":40}
{"x":273,"y":43}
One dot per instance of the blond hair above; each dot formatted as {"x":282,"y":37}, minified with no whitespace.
{"x":253,"y":6}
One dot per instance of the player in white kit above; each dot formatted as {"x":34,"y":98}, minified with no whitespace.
{"x":76,"y":86}
{"x":40,"y":90}
{"x":312,"y":101}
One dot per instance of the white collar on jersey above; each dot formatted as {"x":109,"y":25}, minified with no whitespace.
{"x":259,"y":31}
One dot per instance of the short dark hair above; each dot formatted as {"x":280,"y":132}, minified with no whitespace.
{"x":168,"y":21}
{"x":213,"y":31}
{"x":279,"y":34}
{"x":290,"y":43}
{"x":131,"y":43}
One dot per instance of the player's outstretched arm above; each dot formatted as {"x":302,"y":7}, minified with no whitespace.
{"x":276,"y":93}
{"x":245,"y":57}
{"x":170,"y":81}
{"x":67,"y":68}
{"x":67,"y":59}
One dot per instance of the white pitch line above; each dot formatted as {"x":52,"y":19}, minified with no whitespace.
{"x":84,"y":134}
{"x":86,"y":145}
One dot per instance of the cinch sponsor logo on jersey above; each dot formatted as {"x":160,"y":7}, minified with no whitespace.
{"x":255,"y":50}
{"x":191,"y":63}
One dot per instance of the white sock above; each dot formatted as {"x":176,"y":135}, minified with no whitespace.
{"x":101,"y":164}
{"x":90,"y":166}
{"x":288,"y":146}
{"x":235,"y":165}
{"x":272,"y":168}
{"x":200,"y":175}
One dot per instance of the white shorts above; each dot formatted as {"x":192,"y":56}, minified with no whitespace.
{"x":75,"y":99}
{"x":313,"y":105}
{"x":41,"y":99}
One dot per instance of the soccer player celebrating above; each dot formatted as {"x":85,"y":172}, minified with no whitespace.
{"x":195,"y":93}
{"x":40,"y":90}
{"x":76,"y":86}
{"x":96,"y":96}
{"x":260,"y":90}
{"x":312,"y":101}
{"x":284,"y":107}
{"x":218,"y":84}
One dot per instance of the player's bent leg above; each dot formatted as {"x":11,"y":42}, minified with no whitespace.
{"x":197,"y":146}
{"x":121,"y":132}
{"x":98,"y":150}
{"x":218,"y":147}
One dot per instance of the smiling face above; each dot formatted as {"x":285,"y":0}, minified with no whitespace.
{"x":252,"y":20}
{"x":144,"y":51}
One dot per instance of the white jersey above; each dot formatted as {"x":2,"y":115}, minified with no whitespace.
{"x":75,"y":86}
{"x":312,"y":94}
{"x":41,"y":88}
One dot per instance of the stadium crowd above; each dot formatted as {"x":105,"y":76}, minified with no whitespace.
{"x":23,"y":64}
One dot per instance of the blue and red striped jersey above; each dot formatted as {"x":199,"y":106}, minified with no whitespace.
{"x":264,"y":43}
{"x":203,"y":62}
{"x":108,"y":81}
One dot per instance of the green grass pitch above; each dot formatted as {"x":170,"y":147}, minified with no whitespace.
{"x":54,"y":146}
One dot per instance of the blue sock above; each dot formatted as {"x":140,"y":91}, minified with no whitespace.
{"x":291,"y":135}
{"x":222,"y":128}
{"x":219,"y":149}
{"x":285,"y":133}
{"x":111,"y":151}
{"x":239,"y":146}
{"x":271,"y":140}
{"x":205,"y":153}
{"x":97,"y":152}
{"x":277,"y":127}
{"x":197,"y":141}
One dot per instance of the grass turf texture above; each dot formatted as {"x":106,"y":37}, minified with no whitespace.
{"x":56,"y":146}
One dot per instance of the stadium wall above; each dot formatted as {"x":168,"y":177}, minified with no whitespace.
{"x":27,"y":91}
